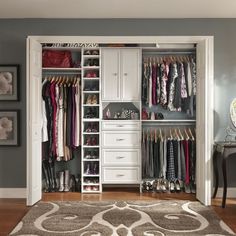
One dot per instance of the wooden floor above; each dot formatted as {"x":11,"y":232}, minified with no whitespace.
{"x":12,"y":210}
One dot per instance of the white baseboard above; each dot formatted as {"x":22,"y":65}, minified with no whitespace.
{"x":12,"y":192}
{"x":231,"y":192}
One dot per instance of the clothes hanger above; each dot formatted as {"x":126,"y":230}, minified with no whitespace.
{"x":182,"y":137}
{"x":176,"y":133}
{"x":186,"y":133}
{"x":192,"y":137}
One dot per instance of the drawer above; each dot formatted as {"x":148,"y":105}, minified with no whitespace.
{"x":121,"y":175}
{"x":124,"y":139}
{"x":120,"y":125}
{"x":115,"y":157}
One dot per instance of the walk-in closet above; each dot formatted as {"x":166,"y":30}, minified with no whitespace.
{"x":126,"y":112}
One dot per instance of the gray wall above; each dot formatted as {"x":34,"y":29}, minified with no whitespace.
{"x":13,"y":35}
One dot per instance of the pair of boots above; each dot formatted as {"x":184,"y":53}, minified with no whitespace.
{"x":50,"y":176}
{"x":64,"y":179}
{"x":67,"y":182}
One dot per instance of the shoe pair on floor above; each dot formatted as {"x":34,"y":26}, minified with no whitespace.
{"x":91,"y":188}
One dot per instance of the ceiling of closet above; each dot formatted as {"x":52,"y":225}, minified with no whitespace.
{"x":117,"y":9}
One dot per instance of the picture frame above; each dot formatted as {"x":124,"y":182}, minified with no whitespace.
{"x":9,"y":82}
{"x":9,"y":127}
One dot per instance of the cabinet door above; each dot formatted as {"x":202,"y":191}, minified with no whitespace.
{"x":130,"y":74}
{"x":110,"y":74}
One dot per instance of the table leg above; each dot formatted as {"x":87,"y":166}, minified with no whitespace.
{"x":225,"y":180}
{"x":216,"y":172}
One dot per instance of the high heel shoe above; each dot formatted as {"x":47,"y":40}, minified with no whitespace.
{"x":94,"y":141}
{"x":94,"y":100}
{"x":89,"y":99}
{"x":88,"y":142}
{"x":172,"y":186}
{"x":177,"y":186}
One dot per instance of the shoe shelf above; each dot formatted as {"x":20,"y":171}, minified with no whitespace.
{"x":91,"y":105}
{"x":91,"y":121}
{"x":91,"y":92}
{"x":91,"y":78}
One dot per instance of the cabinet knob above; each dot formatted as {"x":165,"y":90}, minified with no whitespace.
{"x":120,"y":157}
{"x":125,"y":74}
{"x":120,"y":139}
{"x":120,"y":126}
{"x":115,"y":74}
{"x":120,"y":175}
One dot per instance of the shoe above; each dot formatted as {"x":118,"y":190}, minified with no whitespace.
{"x":89,"y":129}
{"x":88,"y":142}
{"x":95,"y":52}
{"x":95,"y":62}
{"x":187,"y":188}
{"x":88,"y":188}
{"x":94,"y":128}
{"x":87,"y":52}
{"x":88,"y":75}
{"x":158,"y":186}
{"x":67,"y":181}
{"x":94,"y":74}
{"x":94,"y":141}
{"x":192,"y":188}
{"x":95,"y":188}
{"x":88,"y":170}
{"x":61,"y":181}
{"x":163,"y":186}
{"x":94,"y":155}
{"x":172,"y":186}
{"x":177,"y":186}
{"x":94,"y":100}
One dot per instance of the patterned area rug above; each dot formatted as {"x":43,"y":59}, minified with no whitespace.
{"x":121,"y":218}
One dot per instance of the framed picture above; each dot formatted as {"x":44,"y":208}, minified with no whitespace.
{"x":9,"y":82}
{"x":9,"y":127}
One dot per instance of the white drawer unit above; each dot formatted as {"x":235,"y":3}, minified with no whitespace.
{"x":121,"y":175}
{"x":126,"y":139}
{"x":120,"y":157}
{"x":121,"y":125}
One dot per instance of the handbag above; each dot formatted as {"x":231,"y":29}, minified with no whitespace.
{"x":57,"y":59}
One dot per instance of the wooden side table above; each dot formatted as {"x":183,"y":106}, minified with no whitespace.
{"x":224,"y":150}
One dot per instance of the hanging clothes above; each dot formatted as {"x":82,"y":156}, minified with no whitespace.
{"x":171,"y":83}
{"x":62,"y":116}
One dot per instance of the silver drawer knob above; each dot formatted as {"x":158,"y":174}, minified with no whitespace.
{"x":120,"y":157}
{"x":120,"y":175}
{"x":120,"y":139}
{"x":120,"y":126}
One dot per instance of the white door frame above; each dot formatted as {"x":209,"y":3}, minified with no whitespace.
{"x":205,"y":122}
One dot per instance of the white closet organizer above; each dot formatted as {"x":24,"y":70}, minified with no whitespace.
{"x":91,"y":125}
{"x":111,"y":78}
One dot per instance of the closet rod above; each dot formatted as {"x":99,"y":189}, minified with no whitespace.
{"x":169,"y":53}
{"x":169,"y":124}
{"x":61,"y":73}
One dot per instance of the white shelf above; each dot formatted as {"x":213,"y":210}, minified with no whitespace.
{"x":91,"y":56}
{"x":91,"y":78}
{"x":91,"y":105}
{"x":90,"y":132}
{"x":91,"y":175}
{"x":60,"y":69}
{"x":84,"y":159}
{"x":91,"y":119}
{"x":90,"y":67}
{"x":95,"y":91}
{"x":86,"y":184}
{"x":92,"y":146}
